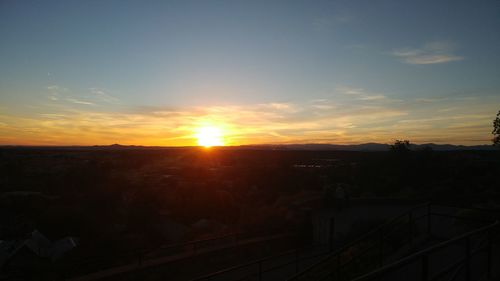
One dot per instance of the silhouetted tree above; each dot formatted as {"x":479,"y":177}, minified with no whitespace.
{"x":496,"y":130}
{"x":400,"y":146}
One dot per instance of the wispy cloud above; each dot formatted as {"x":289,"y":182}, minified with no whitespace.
{"x":348,"y":115}
{"x":430,"y":53}
{"x":55,"y":92}
{"x":94,"y":96}
{"x":282,"y":107}
{"x":103,"y":95}
{"x":361,"y":94}
{"x":77,"y":101}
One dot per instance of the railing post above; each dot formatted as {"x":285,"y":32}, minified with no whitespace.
{"x":467,"y":259}
{"x":381,"y":247}
{"x":296,"y":261}
{"x":331,"y":233}
{"x":489,"y":252}
{"x":410,"y":222}
{"x":260,"y":270}
{"x":338,"y":266}
{"x":429,"y":220}
{"x":425,"y":268}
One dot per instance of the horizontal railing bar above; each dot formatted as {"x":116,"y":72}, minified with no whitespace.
{"x":455,"y":274}
{"x":339,"y":251}
{"x":229,"y":269}
{"x":448,"y":269}
{"x":235,"y":234}
{"x":246,"y":277}
{"x":427,"y":251}
{"x":133,"y":253}
{"x":272,"y":268}
{"x":469,"y":208}
{"x":313,"y":256}
{"x":181,"y":244}
{"x":269,"y":269}
{"x":236,"y":267}
{"x":457,"y":271}
{"x":462,"y":217}
{"x":368,"y":234}
{"x":357,"y":256}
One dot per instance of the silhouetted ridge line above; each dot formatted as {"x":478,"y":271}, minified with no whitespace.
{"x":370,"y":147}
{"x":308,"y":146}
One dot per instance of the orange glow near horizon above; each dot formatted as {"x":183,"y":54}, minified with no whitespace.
{"x":254,"y":124}
{"x":209,"y":136}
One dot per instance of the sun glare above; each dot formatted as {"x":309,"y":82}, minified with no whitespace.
{"x":210,"y":136}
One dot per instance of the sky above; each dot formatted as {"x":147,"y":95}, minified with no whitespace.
{"x":263,"y":72}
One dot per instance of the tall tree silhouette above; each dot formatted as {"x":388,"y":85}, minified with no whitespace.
{"x":496,"y":130}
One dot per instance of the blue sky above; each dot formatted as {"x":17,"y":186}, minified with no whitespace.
{"x":149,"y":72}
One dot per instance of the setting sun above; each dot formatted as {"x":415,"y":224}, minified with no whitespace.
{"x":209,"y":136}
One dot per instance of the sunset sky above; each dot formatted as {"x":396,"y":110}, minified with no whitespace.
{"x":155,"y":72}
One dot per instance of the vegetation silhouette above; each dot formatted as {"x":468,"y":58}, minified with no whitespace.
{"x":401,"y":146}
{"x":496,"y":130}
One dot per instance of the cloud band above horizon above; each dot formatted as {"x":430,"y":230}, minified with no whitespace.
{"x":373,"y":117}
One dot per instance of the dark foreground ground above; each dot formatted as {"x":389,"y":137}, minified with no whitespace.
{"x":116,"y":204}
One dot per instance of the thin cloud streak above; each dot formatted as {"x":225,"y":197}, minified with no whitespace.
{"x":431,"y":53}
{"x":374,"y":117}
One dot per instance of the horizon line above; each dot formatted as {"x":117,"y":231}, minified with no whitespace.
{"x":241,"y":145}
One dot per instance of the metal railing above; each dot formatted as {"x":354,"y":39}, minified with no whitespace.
{"x":257,"y":269}
{"x":298,"y":258}
{"x":379,"y":251}
{"x":451,"y":270}
{"x":380,"y":246}
{"x":138,"y":257}
{"x":375,"y":245}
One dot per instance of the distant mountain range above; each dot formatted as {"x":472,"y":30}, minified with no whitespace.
{"x":311,"y":147}
{"x":372,"y":147}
